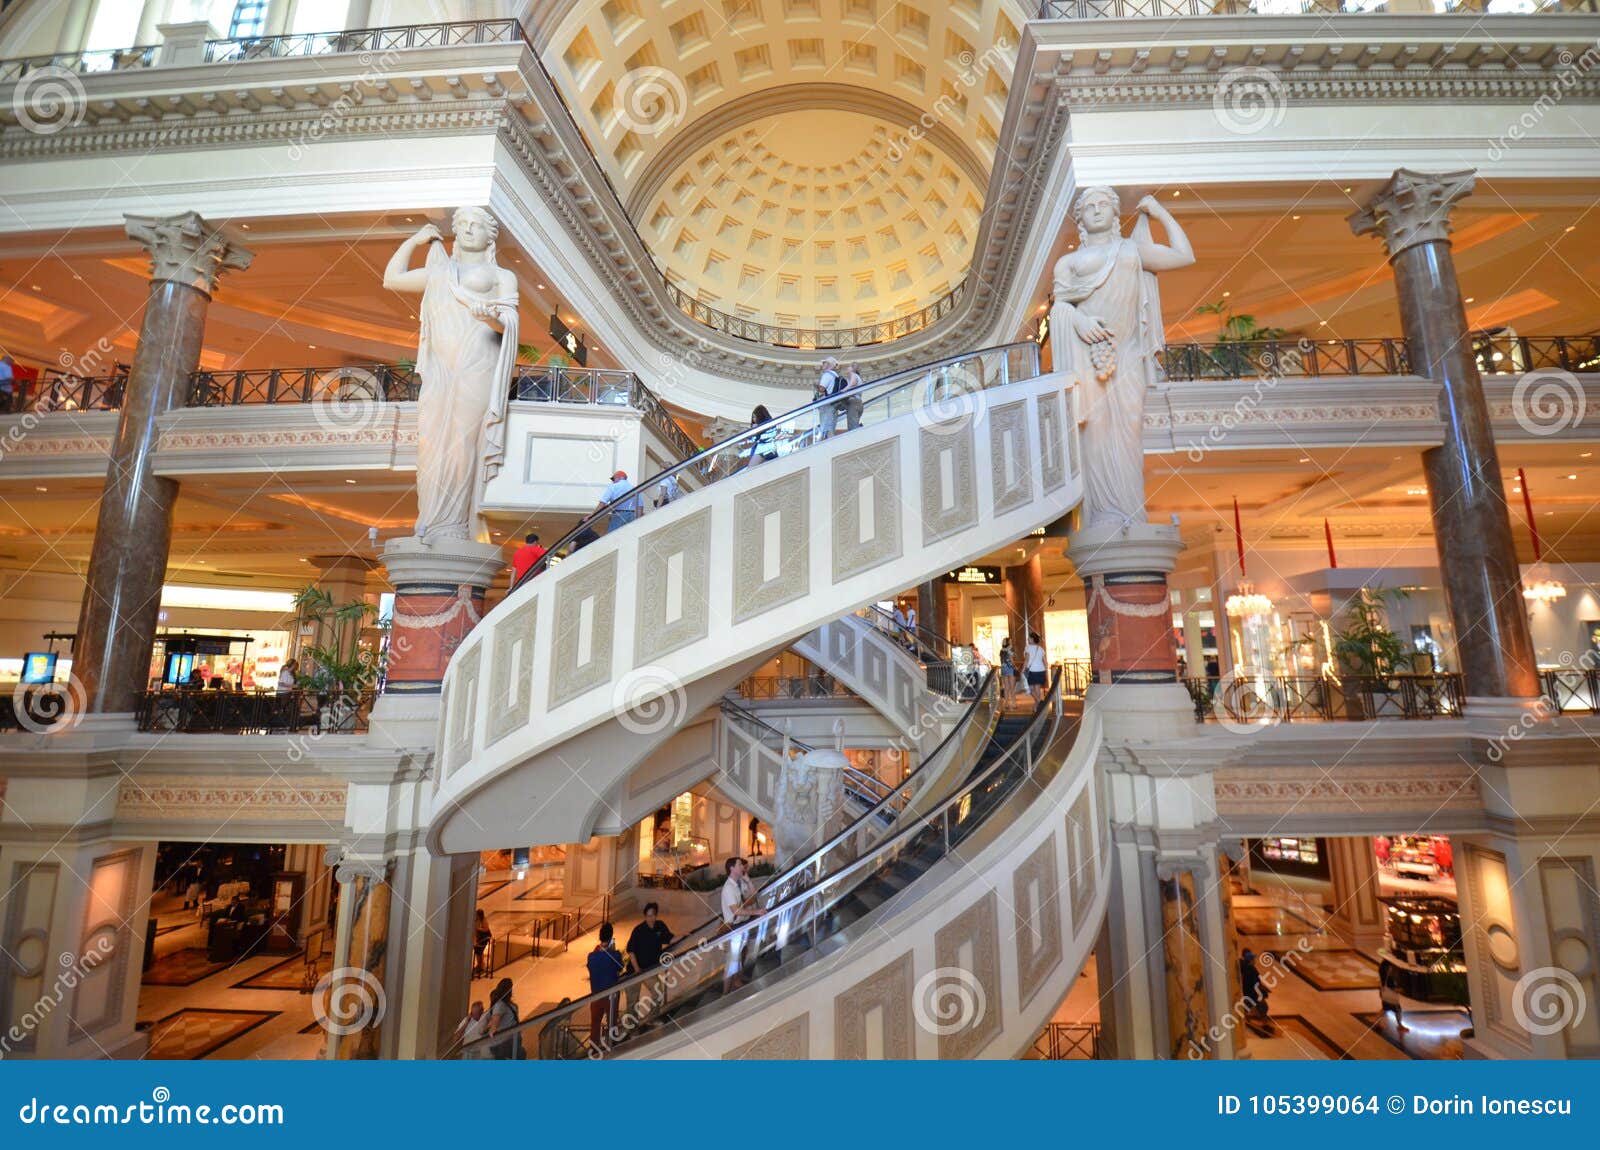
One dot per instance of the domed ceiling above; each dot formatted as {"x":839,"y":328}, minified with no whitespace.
{"x":810,"y":163}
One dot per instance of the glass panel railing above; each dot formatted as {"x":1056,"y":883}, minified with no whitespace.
{"x":944,"y":389}
{"x":812,"y":901}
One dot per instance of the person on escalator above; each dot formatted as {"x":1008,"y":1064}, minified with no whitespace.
{"x":606,"y":964}
{"x":1008,"y":669}
{"x":624,"y":512}
{"x":524,"y":558}
{"x":503,"y":1016}
{"x":1033,"y":664}
{"x":853,"y":404}
{"x":763,"y":447}
{"x":738,"y":907}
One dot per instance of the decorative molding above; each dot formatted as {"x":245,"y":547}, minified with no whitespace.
{"x":1412,"y":208}
{"x":220,"y":797}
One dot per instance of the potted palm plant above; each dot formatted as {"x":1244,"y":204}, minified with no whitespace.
{"x":335,"y":667}
{"x":1239,"y":352}
{"x":1368,"y":649}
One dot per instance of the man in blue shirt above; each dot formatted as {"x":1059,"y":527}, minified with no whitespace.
{"x":628,"y":510}
{"x":605,"y":971}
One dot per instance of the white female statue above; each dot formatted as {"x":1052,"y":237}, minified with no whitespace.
{"x":1106,"y":328}
{"x":465,"y":365}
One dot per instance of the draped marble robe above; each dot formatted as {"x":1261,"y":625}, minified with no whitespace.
{"x":1121,"y":294}
{"x":466,"y":366}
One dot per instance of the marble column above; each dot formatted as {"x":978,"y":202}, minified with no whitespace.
{"x":932,"y":609}
{"x":1184,"y":961}
{"x":1472,"y":529}
{"x":357,"y":991}
{"x":1357,"y":912}
{"x":133,"y":534}
{"x":1235,"y":948}
{"x":1024,"y":589}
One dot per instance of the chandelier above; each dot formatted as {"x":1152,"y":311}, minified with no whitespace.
{"x":1544,"y":590}
{"x":1247,"y":603}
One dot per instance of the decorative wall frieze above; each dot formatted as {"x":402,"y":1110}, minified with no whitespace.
{"x":222,"y":797}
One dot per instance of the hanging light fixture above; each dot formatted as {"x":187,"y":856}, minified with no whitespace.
{"x":1246,"y":602}
{"x":1538,"y":586}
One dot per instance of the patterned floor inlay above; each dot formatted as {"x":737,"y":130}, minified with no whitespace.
{"x":192,"y":1033}
{"x":1333,"y":969}
{"x":161,"y":930}
{"x":1271,"y":920}
{"x":286,"y":975}
{"x":488,"y":888}
{"x":183,"y":967}
{"x":1429,"y":1033}
{"x":549,"y":888}
{"x":1305,"y":1040}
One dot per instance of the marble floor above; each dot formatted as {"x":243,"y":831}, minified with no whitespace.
{"x":195,"y":1008}
{"x":1324,"y":996}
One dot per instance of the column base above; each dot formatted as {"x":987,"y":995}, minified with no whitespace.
{"x":1494,"y":716}
{"x":1141,"y":711}
{"x":404,"y":720}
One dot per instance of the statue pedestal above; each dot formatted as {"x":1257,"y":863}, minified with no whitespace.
{"x":438,"y":599}
{"x":1135,"y":683}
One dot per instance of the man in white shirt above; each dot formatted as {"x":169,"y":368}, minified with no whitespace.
{"x":828,"y":384}
{"x":625,"y":512}
{"x":738,"y":896}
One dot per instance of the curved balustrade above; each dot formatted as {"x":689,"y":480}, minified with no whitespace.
{"x":814,"y":908}
{"x":370,"y":40}
{"x":813,"y":338}
{"x":782,"y":526}
{"x":101,"y":60}
{"x":928,"y":386}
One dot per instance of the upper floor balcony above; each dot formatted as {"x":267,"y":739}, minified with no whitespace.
{"x":1132,"y":9}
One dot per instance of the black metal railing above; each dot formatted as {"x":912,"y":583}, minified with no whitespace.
{"x":1285,"y":358}
{"x":370,"y":40}
{"x":817,"y":685}
{"x":1125,"y":9}
{"x":62,"y":391}
{"x":373,"y":382}
{"x":102,"y":60}
{"x":1572,"y":689}
{"x":1510,"y":355}
{"x":1068,"y":1041}
{"x":254,"y":713}
{"x":1266,"y":700}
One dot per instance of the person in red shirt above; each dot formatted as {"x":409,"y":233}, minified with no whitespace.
{"x":524,"y":558}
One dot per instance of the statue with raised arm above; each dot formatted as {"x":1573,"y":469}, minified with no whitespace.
{"x":1106,"y":329}
{"x":466,"y":349}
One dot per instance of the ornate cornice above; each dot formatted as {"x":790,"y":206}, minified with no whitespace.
{"x":214,"y":798}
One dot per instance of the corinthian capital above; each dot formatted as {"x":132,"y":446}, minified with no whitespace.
{"x":1413,"y":208}
{"x":187,"y":250}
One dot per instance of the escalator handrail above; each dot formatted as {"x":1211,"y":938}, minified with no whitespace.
{"x":1050,"y":709}
{"x":709,"y":928}
{"x":731,"y":708}
{"x":751,"y":436}
{"x":930,"y":639}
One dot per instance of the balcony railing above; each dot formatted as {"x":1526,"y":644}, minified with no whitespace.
{"x":819,"y":685}
{"x":1285,"y":358}
{"x":365,"y":383}
{"x":811,"y":338}
{"x":1126,"y":9}
{"x":252,"y":713}
{"x":372,"y":40}
{"x":1247,"y":700}
{"x":106,"y":60}
{"x":1576,"y":689}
